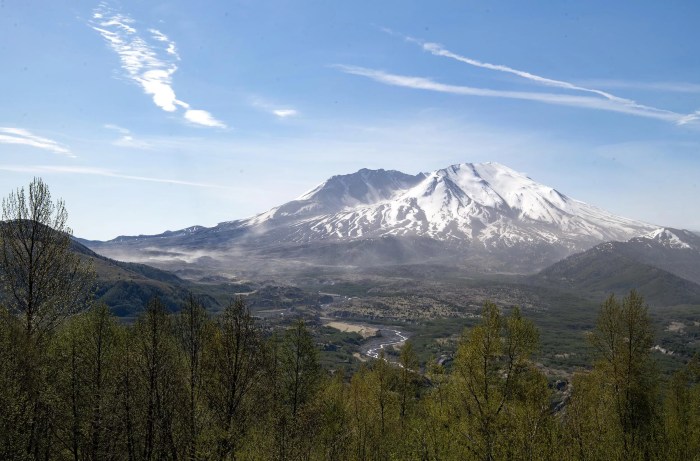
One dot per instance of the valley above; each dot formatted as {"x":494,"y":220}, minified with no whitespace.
{"x":395,"y":318}
{"x":422,"y":254}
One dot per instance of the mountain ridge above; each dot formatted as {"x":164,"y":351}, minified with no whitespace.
{"x":483,"y":212}
{"x":662,"y":266}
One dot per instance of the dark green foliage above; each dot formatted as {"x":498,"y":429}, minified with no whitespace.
{"x":126,"y":298}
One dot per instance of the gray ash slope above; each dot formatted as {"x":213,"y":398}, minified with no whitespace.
{"x":480,"y":216}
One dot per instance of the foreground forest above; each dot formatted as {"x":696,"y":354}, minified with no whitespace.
{"x":76,"y":383}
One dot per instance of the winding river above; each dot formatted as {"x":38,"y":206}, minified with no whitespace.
{"x":389,"y":337}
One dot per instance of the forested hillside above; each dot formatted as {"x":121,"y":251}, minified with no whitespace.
{"x":187,"y":386}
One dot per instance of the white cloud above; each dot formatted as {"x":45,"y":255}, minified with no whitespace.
{"x":587,"y":102}
{"x":284,"y":113}
{"x":90,"y":171}
{"x":161,"y":37}
{"x":274,"y":109}
{"x":127,"y":138}
{"x":149,"y":66}
{"x":122,"y":130}
{"x":202,"y":117}
{"x":21,"y":136}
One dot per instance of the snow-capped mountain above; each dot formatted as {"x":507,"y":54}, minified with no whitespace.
{"x":670,"y":238}
{"x":468,"y":203}
{"x":471,"y":212}
{"x":343,"y":192}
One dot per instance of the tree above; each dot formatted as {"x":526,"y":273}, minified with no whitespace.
{"x":42,"y":282}
{"x":158,"y":366}
{"x":385,"y":403}
{"x":298,"y":376}
{"x":408,"y":382}
{"x":300,"y":371}
{"x":84,"y":376}
{"x":682,"y":413}
{"x":621,"y":393}
{"x":43,"y":279}
{"x":491,"y":386}
{"x":334,"y":434}
{"x":232,"y":370}
{"x":193,"y":326}
{"x":623,"y":339}
{"x":16,"y":382}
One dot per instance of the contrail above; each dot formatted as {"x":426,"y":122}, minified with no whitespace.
{"x":439,"y":50}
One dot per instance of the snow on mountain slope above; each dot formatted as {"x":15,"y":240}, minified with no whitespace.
{"x":484,"y":215}
{"x":365,"y":187}
{"x":671,"y":238}
{"x":486,"y":203}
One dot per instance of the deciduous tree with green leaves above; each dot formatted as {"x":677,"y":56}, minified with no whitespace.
{"x":44,"y":281}
{"x":621,"y":393}
{"x":490,"y":386}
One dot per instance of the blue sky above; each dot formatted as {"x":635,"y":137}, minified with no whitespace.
{"x":152,"y":115}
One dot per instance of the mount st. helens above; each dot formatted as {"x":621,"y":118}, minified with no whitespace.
{"x":482,"y":216}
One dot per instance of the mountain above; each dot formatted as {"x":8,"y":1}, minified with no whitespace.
{"x":674,"y":250}
{"x":663,"y":265}
{"x":486,"y":203}
{"x":127,"y":287}
{"x":484,"y":216}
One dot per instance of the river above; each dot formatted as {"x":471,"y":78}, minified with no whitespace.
{"x":389,"y":337}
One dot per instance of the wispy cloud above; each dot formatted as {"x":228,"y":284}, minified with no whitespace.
{"x":161,"y":37}
{"x":284,"y":113}
{"x":671,"y":87}
{"x":277,"y":110}
{"x":127,"y":138}
{"x":587,"y":102}
{"x":690,"y":118}
{"x":608,"y":101}
{"x":90,"y":171}
{"x":21,"y":136}
{"x":438,"y":50}
{"x":149,"y":65}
